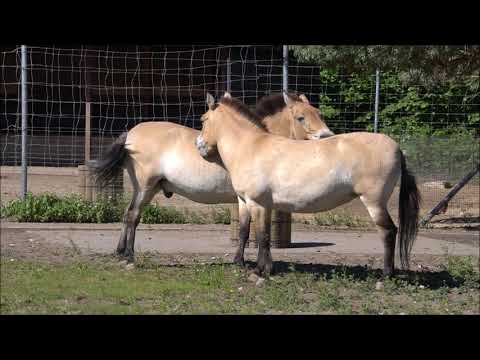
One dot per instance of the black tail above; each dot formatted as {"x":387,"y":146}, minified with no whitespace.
{"x":408,"y":211}
{"x":106,"y":169}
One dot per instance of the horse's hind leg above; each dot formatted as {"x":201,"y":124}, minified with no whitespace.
{"x":387,"y":229}
{"x":244,"y":223}
{"x":122,"y":241}
{"x":142,"y":198}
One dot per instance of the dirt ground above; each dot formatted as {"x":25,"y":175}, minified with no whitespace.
{"x":188,"y":244}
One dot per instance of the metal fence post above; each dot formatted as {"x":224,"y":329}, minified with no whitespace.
{"x":234,"y":215}
{"x":24,"y":119}
{"x":229,"y":76}
{"x":377,"y":99}
{"x":281,"y":231}
{"x":285,"y":68}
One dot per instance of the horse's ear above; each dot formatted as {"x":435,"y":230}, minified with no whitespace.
{"x":304,"y":99}
{"x":288,"y":100}
{"x":210,"y":101}
{"x":227,"y":95}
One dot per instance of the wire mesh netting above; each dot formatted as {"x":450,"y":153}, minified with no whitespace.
{"x":436,"y":127}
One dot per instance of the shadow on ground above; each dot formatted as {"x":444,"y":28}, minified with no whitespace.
{"x":430,"y":279}
{"x":309,"y":244}
{"x":458,"y":220}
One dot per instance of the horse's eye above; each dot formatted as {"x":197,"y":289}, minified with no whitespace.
{"x":301,"y":119}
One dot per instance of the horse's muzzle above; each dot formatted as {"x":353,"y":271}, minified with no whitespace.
{"x":321,"y":134}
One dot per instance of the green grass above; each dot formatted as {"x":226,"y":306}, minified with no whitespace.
{"x":49,"y":208}
{"x":105,"y":288}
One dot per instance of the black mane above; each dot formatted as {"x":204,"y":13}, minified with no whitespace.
{"x":272,"y":104}
{"x":243,"y":109}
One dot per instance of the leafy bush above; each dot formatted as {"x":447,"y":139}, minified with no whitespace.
{"x":195,"y":217}
{"x":221,"y":216}
{"x":51,"y":208}
{"x":154,"y":214}
{"x":73,"y":209}
{"x":340,"y":219}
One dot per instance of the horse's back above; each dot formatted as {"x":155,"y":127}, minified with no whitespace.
{"x":328,"y":172}
{"x":150,"y":129}
{"x":369,"y":139}
{"x":151,"y":136}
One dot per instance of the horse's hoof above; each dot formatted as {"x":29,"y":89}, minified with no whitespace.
{"x":264,"y":270}
{"x":239,"y":261}
{"x":260,"y":272}
{"x":388,"y":273}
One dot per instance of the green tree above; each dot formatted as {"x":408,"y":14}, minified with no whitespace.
{"x":419,"y":64}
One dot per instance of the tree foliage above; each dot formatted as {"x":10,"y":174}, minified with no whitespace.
{"x":420,"y":64}
{"x":347,"y":104}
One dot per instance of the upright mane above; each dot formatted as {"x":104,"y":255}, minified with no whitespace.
{"x":272,"y":104}
{"x":243,"y":109}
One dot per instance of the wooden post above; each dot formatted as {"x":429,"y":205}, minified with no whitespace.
{"x":89,"y":194}
{"x":88,"y":83}
{"x":234,"y":225}
{"x":86,"y":176}
{"x":281,"y":229}
{"x":88,"y":132}
{"x":84,"y":186}
{"x":252,"y":239}
{"x":85,"y":169}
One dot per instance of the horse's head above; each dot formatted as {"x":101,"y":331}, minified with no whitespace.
{"x":306,"y":120}
{"x":206,"y":142}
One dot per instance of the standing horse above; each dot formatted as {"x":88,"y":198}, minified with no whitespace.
{"x":272,"y":172}
{"x":162,"y":156}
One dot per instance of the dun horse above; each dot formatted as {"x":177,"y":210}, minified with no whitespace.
{"x":272,"y":172}
{"x":162,"y":156}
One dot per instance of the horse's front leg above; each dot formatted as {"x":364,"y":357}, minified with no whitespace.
{"x":244,"y":223}
{"x":262,"y":234}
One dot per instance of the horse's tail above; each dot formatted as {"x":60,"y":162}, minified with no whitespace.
{"x":106,"y":169}
{"x":408,"y":211}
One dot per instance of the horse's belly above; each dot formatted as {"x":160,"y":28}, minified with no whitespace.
{"x":208,"y":187}
{"x":201,"y":195}
{"x":313,"y":199}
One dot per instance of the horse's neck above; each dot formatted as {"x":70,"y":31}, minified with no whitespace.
{"x":233,"y":134}
{"x":276,"y":124}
